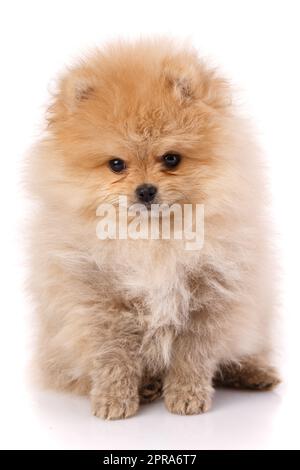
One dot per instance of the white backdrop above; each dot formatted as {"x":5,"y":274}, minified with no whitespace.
{"x":256,"y":44}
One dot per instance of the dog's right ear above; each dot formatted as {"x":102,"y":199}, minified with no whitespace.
{"x":71,"y":91}
{"x":76,"y":87}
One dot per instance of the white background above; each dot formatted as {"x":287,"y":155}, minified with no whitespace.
{"x":256,"y":44}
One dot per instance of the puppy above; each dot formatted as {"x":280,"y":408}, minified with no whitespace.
{"x":123,"y":320}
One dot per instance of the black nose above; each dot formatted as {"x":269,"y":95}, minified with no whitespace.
{"x":146,"y":192}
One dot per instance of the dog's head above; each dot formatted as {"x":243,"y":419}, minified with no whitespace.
{"x":142,"y":120}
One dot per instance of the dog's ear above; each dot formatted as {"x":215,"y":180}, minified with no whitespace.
{"x":197,"y":83}
{"x":183,"y":88}
{"x":71,"y":91}
{"x":214,"y":90}
{"x":179,"y":83}
{"x":78,"y":86}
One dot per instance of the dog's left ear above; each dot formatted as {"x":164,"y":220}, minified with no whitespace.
{"x":197,"y":83}
{"x":183,"y":88}
{"x":213,"y":90}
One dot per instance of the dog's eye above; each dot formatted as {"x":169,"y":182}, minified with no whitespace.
{"x":117,"y":165}
{"x":171,"y":160}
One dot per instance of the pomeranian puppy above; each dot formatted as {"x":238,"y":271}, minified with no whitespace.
{"x":125,"y":320}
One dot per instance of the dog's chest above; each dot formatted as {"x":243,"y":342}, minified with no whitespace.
{"x":157,"y":274}
{"x":153,"y":280}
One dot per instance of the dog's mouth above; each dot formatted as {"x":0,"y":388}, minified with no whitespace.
{"x":155,"y":206}
{"x":148,"y":205}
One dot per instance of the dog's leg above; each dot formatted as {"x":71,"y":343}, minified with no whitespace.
{"x":116,"y":372}
{"x":188,"y":385}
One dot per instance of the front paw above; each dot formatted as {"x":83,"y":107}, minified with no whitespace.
{"x":107,"y":407}
{"x":187,"y":401}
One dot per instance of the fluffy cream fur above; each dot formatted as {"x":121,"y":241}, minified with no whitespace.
{"x":117,"y":315}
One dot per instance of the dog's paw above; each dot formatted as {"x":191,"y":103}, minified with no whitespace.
{"x":248,"y":375}
{"x":183,"y":402}
{"x":150,"y":390}
{"x":114,"y":407}
{"x":265,"y":378}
